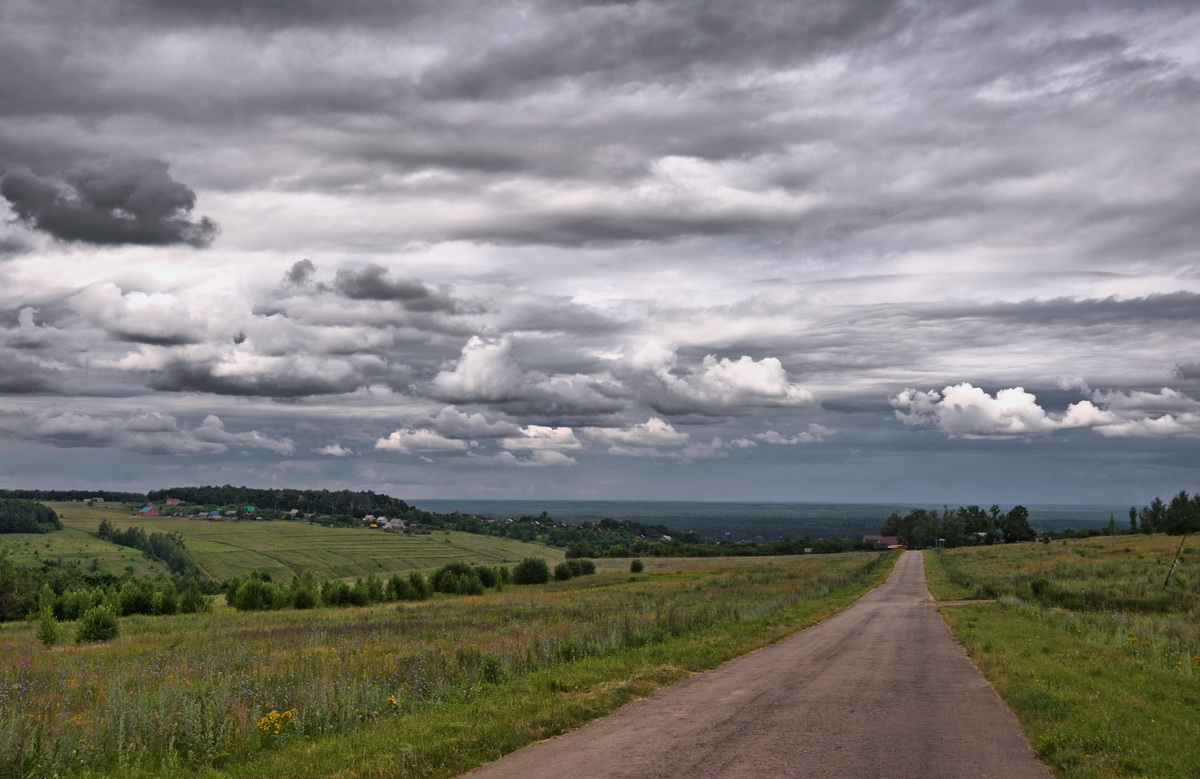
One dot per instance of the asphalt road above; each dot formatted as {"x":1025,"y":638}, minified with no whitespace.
{"x":880,"y":690}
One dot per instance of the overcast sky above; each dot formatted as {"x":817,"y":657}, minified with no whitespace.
{"x":834,"y":250}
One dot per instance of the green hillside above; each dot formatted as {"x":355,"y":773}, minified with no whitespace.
{"x":225,"y":549}
{"x":76,"y":545}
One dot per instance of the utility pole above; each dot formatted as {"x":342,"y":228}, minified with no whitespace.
{"x":1174,"y":562}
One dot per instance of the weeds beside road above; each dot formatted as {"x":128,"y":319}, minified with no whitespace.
{"x":1099,"y":662}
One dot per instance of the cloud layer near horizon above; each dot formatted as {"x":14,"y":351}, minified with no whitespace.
{"x":835,"y":250}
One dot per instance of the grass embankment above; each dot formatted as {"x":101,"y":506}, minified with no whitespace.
{"x":423,"y":690}
{"x":284,"y":548}
{"x":1099,"y":662}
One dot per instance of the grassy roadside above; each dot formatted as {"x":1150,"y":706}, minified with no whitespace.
{"x":937,"y":578}
{"x":484,"y":723}
{"x":1100,"y":691}
{"x":425,"y":689}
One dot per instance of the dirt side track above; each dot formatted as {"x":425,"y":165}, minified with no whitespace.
{"x":880,"y":690}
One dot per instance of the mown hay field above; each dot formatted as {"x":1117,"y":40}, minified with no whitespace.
{"x":1097,"y":658}
{"x":283,"y":548}
{"x":76,"y":545}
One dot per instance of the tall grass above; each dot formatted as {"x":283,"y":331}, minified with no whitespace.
{"x":1108,"y":590}
{"x":184,"y":692}
{"x":1098,"y":659}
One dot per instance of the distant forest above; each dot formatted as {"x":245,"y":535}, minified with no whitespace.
{"x":67,"y":495}
{"x":355,"y":504}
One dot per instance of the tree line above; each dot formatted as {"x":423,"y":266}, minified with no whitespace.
{"x":257,"y":592}
{"x":348,"y":502}
{"x":70,"y":495}
{"x":1179,"y":515}
{"x":962,"y":526}
{"x":167,"y":548}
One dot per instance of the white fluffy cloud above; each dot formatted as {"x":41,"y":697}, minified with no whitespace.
{"x":457,"y":424}
{"x":138,"y":316}
{"x":542,"y":438}
{"x":966,"y":411}
{"x":716,"y":385}
{"x":538,"y":458}
{"x":812,"y":434}
{"x":407,"y":440}
{"x":646,"y":439}
{"x":485,"y":372}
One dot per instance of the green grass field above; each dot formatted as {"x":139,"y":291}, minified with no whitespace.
{"x":1099,"y":662}
{"x":428,"y":689}
{"x":284,"y":548}
{"x":76,"y":545}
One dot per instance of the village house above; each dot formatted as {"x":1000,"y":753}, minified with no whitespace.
{"x":148,"y":511}
{"x":882,"y":542}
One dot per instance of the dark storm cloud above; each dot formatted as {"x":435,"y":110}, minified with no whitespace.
{"x":1187,"y":371}
{"x":372,"y":283}
{"x":650,"y":41}
{"x":275,"y":14}
{"x":109,"y":202}
{"x":615,"y":227}
{"x":300,"y":273}
{"x":19,"y":375}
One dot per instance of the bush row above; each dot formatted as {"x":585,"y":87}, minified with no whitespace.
{"x":257,"y":592}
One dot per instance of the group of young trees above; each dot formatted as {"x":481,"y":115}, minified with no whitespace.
{"x":153,"y":596}
{"x":1179,"y":515}
{"x":962,"y":526}
{"x":168,"y":548}
{"x":27,"y":516}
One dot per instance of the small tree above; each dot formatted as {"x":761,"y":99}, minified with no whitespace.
{"x":562,"y":572}
{"x":636,"y":566}
{"x":531,"y":570}
{"x":98,"y":623}
{"x":49,"y":632}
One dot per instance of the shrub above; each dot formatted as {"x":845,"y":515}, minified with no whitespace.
{"x":504,"y":574}
{"x":74,"y":603}
{"x":304,"y":598}
{"x":562,"y":572}
{"x":194,"y":602}
{"x":255,"y":595}
{"x":137,"y":598}
{"x":487,"y":575}
{"x":98,"y":623}
{"x":399,"y":588}
{"x":166,"y":600}
{"x":457,"y":579}
{"x":636,"y":566}
{"x":421,"y":587}
{"x":581,"y":566}
{"x":531,"y":570}
{"x":49,"y":632}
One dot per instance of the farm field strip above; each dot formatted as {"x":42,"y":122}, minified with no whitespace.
{"x":281,"y":548}
{"x":174,"y":694}
{"x":1099,"y":661}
